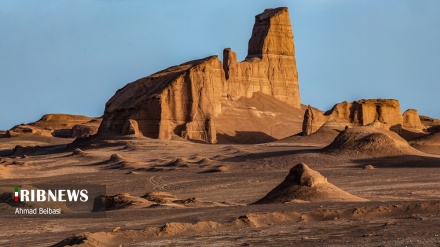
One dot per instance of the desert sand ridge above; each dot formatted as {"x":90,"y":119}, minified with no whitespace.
{"x":368,"y":140}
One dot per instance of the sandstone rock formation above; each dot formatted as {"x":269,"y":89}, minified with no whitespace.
{"x":83,"y":130}
{"x":27,"y":130}
{"x":313,"y":120}
{"x":412,"y":126}
{"x":186,"y":100}
{"x":309,"y":122}
{"x":58,"y":125}
{"x":411,"y":120}
{"x":182,"y":100}
{"x":305,"y":184}
{"x":270,"y":66}
{"x":380,"y":113}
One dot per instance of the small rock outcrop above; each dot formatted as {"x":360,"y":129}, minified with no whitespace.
{"x":379,"y":113}
{"x":27,"y":130}
{"x":185,"y":100}
{"x":309,"y":122}
{"x":180,"y":100}
{"x":411,"y":120}
{"x":57,"y":125}
{"x":83,"y":130}
{"x":313,"y":120}
{"x":364,"y":112}
{"x":305,"y":184}
{"x":78,"y":152}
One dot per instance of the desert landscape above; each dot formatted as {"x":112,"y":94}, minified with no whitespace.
{"x":222,"y":153}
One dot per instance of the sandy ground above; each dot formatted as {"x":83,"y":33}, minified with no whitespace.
{"x":403,"y":193}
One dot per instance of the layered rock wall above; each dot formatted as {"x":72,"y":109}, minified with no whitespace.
{"x":184,"y":107}
{"x":57,"y":125}
{"x":385,"y":113}
{"x":270,"y":66}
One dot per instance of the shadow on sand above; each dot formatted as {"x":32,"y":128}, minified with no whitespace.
{"x":404,"y":161}
{"x":34,"y":150}
{"x":256,"y":156}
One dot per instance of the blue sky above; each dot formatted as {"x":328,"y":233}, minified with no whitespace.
{"x":65,"y":56}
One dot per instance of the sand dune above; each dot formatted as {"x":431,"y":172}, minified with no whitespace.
{"x":429,"y":143}
{"x":370,"y":141}
{"x":303,"y":184}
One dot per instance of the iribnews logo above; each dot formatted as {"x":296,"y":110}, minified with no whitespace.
{"x":53,"y":200}
{"x":48,"y":195}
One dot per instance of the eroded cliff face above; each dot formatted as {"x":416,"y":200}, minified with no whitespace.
{"x":185,"y":100}
{"x":181,"y":100}
{"x":384,"y":113}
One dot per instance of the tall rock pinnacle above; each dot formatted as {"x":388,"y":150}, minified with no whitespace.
{"x":272,"y":34}
{"x":270,"y":66}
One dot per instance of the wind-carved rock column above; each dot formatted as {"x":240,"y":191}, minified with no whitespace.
{"x":270,"y":66}
{"x":211,"y":131}
{"x":308,"y":122}
{"x":230,"y":63}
